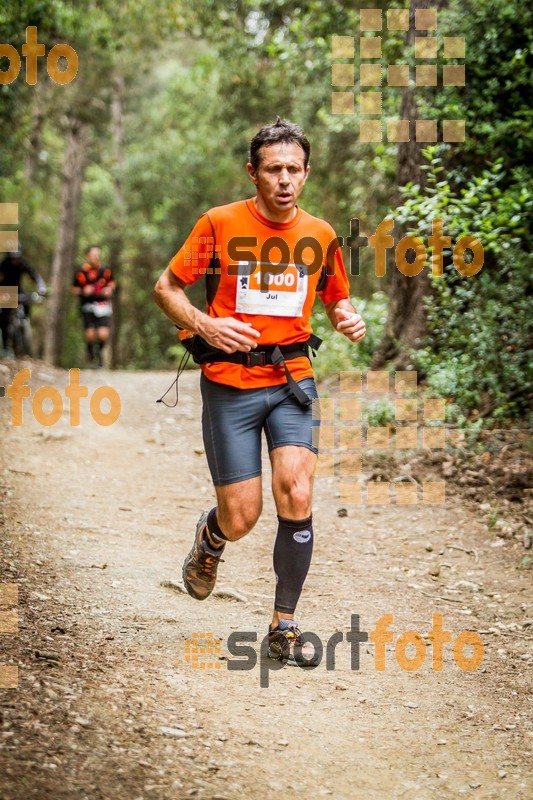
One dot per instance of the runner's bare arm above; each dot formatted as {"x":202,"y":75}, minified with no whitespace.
{"x":345,"y":319}
{"x":86,"y":290}
{"x":108,"y":290}
{"x":226,"y":333}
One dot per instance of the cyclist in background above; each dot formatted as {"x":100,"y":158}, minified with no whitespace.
{"x":12,"y":270}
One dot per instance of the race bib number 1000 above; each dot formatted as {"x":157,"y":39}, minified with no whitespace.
{"x":274,"y":293}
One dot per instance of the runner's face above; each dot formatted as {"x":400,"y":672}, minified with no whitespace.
{"x":93,"y":256}
{"x":279,"y":179}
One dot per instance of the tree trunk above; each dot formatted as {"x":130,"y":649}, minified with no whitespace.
{"x":62,"y":264}
{"x":406,"y":317}
{"x":117,"y":231}
{"x":35,"y":135}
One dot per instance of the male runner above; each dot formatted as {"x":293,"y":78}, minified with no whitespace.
{"x":94,"y":285}
{"x":245,"y":386}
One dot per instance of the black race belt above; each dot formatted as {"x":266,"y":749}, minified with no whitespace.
{"x":275,"y":355}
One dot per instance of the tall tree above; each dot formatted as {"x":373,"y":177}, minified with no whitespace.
{"x":65,"y":249}
{"x":116,"y":242}
{"x":406,"y":317}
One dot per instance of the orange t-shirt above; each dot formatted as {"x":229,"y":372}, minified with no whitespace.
{"x":277,"y":300}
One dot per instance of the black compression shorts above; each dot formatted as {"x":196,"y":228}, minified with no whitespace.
{"x":233,"y":421}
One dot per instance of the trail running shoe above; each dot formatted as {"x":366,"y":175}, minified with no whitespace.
{"x":287,"y":644}
{"x":200,"y":566}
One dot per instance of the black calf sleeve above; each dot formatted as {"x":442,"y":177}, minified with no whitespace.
{"x":214,"y":532}
{"x":292,"y":557}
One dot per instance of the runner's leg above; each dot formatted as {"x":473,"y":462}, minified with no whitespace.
{"x":102,"y":335}
{"x":293,"y":454}
{"x":90,"y":339}
{"x":239,"y":506}
{"x":292,"y":485}
{"x":232,"y":423}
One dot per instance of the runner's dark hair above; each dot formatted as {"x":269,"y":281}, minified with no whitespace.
{"x":280,"y":131}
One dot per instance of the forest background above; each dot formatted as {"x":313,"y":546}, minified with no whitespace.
{"x":155,"y":128}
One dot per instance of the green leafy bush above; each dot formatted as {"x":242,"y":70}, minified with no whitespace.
{"x":337,"y":352}
{"x":379,"y":413}
{"x":479,"y":327}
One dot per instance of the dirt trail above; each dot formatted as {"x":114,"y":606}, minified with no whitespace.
{"x":95,"y":519}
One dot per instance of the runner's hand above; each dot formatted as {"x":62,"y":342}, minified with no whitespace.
{"x":229,"y":334}
{"x":350,"y":324}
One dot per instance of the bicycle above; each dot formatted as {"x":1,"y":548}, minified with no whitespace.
{"x":19,"y":331}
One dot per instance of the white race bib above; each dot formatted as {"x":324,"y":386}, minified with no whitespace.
{"x":98,"y":309}
{"x":271,"y":292}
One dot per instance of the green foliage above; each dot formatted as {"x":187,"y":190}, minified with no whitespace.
{"x":480,"y":329}
{"x":199,"y":81}
{"x":493,"y":518}
{"x":379,"y":413}
{"x":338,"y":353}
{"x":496,"y":100}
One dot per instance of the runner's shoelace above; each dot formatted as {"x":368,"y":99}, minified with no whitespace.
{"x":208,"y":564}
{"x":293,"y":633}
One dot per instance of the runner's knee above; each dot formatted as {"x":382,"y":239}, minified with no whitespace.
{"x":236,"y":522}
{"x":295,"y":491}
